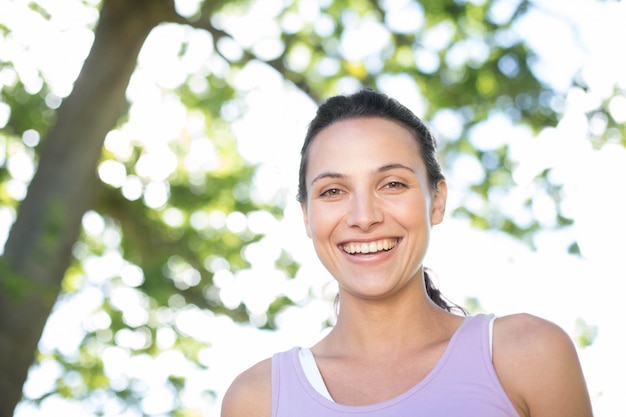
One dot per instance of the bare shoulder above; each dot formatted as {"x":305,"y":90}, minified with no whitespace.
{"x":538,"y":367}
{"x":250,"y":394}
{"x":528,"y":331}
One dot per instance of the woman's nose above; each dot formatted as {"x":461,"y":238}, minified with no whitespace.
{"x":364,"y":212}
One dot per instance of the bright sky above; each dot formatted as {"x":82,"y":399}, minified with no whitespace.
{"x":503,"y":274}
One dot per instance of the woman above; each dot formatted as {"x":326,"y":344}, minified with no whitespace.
{"x":371,"y":189}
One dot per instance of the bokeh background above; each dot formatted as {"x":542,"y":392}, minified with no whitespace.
{"x":152,"y":247}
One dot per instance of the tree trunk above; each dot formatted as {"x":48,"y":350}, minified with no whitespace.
{"x":38,"y":250}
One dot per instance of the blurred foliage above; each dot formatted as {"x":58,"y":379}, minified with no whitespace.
{"x":473,"y":306}
{"x":585,"y":333}
{"x":477,"y":68}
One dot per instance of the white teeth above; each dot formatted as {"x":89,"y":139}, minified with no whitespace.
{"x":370,"y":247}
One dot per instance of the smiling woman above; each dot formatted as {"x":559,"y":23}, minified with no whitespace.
{"x":371,"y":190}
{"x":373,"y":110}
{"x":373,"y":198}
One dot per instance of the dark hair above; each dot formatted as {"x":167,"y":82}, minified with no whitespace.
{"x":365,"y":104}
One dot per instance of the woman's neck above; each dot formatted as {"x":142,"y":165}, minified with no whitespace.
{"x":389,"y":327}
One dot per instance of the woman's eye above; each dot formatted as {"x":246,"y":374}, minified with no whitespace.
{"x":331,"y":192}
{"x":395,"y":185}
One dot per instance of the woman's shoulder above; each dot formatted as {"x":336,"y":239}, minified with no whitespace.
{"x":250,"y":393}
{"x":528,"y":330}
{"x":538,"y":366}
{"x":532,"y":337}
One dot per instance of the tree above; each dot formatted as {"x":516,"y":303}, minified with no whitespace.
{"x":480,"y":68}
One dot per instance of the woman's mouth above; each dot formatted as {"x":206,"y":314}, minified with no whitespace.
{"x":369,"y":247}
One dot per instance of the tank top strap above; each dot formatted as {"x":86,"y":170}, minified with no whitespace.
{"x":470,"y":347}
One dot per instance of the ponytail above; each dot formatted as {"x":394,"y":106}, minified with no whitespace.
{"x":437,"y":297}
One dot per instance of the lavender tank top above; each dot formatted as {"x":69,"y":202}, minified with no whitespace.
{"x":463,"y":383}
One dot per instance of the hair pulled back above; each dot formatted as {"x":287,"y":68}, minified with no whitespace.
{"x":368,"y":103}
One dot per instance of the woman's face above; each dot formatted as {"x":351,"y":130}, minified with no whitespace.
{"x":370,"y":209}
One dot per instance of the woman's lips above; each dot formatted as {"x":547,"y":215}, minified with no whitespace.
{"x":369,"y":247}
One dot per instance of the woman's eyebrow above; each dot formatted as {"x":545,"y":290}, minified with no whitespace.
{"x":327,"y":174}
{"x":389,"y":167}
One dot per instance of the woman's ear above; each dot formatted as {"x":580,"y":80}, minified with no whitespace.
{"x":438,"y":209}
{"x":305,"y":217}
